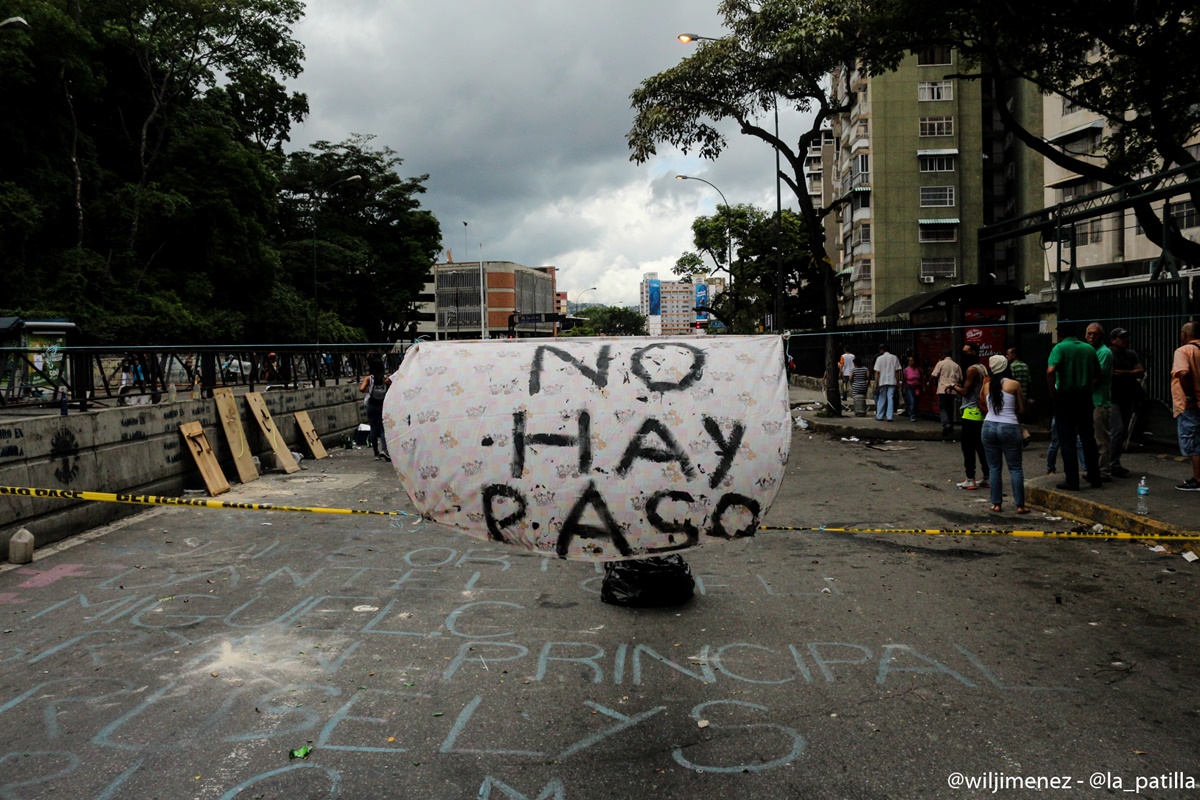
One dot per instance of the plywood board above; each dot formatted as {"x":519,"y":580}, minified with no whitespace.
{"x":235,"y":434}
{"x":283,"y":456}
{"x":206,"y":459}
{"x":310,"y":435}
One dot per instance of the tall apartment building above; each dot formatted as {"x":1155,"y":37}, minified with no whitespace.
{"x":670,"y":306}
{"x":920,"y":164}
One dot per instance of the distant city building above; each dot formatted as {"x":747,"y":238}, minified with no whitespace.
{"x":670,"y":306}
{"x":452,"y":308}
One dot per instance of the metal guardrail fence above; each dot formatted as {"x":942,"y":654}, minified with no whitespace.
{"x":81,"y":377}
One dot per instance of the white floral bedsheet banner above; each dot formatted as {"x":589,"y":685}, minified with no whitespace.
{"x":593,"y":449}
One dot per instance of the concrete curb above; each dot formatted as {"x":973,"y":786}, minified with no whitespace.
{"x":1077,"y":506}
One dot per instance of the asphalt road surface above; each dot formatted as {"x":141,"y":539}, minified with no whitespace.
{"x":185,"y":652}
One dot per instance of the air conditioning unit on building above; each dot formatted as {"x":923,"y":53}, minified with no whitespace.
{"x":926,"y":279}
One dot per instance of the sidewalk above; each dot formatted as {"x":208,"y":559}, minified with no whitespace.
{"x":1171,"y":512}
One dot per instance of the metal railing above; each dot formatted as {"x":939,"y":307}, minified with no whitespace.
{"x":82,"y":377}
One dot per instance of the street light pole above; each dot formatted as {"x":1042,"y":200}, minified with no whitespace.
{"x":728,"y":218}
{"x":687,"y":38}
{"x":316,"y":321}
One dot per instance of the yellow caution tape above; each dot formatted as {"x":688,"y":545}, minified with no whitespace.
{"x":1089,"y":534}
{"x":157,"y":500}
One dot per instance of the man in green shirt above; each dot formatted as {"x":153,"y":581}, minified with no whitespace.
{"x":1071,"y":374}
{"x":1102,"y":400}
{"x":1020,"y":372}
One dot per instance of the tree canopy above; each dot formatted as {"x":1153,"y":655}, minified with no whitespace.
{"x":145,"y":192}
{"x":610,"y":321}
{"x":757,"y":246}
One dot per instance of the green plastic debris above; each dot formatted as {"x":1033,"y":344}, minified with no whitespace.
{"x":300,"y":752}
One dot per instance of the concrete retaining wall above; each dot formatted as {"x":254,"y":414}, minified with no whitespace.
{"x":139,"y":450}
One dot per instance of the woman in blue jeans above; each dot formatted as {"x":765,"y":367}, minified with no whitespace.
{"x":1002,"y":402}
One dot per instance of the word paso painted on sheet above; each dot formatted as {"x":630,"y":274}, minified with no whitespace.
{"x":596,"y":449}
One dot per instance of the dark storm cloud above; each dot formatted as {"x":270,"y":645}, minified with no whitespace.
{"x":518,"y":112}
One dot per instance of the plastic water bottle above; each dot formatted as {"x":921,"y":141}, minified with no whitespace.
{"x":1143,"y":501}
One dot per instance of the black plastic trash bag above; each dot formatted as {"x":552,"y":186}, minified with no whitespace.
{"x":647,"y":582}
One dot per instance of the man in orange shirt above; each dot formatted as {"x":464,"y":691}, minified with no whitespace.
{"x":1185,"y":400}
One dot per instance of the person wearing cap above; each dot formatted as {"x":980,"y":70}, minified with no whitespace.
{"x":1071,"y":374}
{"x":1102,"y":400}
{"x":1127,"y":391}
{"x":1003,"y":402}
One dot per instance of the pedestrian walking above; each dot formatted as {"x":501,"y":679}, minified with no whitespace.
{"x":1185,"y":400}
{"x":846,"y":367}
{"x":972,"y":417}
{"x":913,"y":378}
{"x":375,"y":386}
{"x":948,"y":375}
{"x":1071,"y":375}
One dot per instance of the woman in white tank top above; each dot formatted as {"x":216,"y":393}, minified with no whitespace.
{"x":1002,"y":403}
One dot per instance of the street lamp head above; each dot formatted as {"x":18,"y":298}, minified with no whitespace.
{"x":687,"y":37}
{"x":17,"y":21}
{"x":683,"y":177}
{"x":353,"y":178}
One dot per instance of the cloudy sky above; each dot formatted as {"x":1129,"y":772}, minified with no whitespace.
{"x":518,"y":111}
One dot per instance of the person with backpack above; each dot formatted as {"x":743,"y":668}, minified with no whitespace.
{"x":375,"y":386}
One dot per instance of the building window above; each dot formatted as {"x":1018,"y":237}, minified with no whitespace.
{"x":860,"y":200}
{"x":936,"y":163}
{"x":937,"y":126}
{"x":1184,"y":214}
{"x":862,"y":271}
{"x":863,"y":306}
{"x":1073,"y":190}
{"x":938,"y":267}
{"x":862,"y":234}
{"x":935,"y":56}
{"x":938,"y":233}
{"x":1069,"y":106}
{"x":935,"y":90}
{"x":1090,"y":231}
{"x":862,"y":162}
{"x":937,"y":196}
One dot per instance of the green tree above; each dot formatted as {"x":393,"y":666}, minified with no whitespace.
{"x":141,"y":141}
{"x":753,"y":237}
{"x":348,"y":215}
{"x":609,"y":321}
{"x":777,"y":53}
